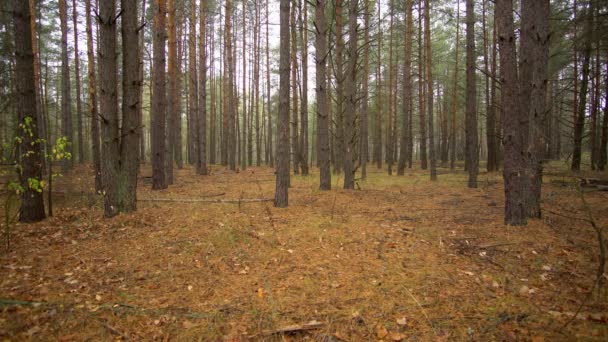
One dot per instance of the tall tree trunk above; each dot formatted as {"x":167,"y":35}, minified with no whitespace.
{"x":281,"y":198}
{"x":270,"y":132}
{"x":535,"y":42}
{"x":108,"y":70}
{"x":391,"y":84}
{"x":142,"y":145}
{"x":177,"y":141}
{"x":595,"y":104}
{"x":421,"y":91}
{"x":429,"y":84}
{"x":350,"y":134}
{"x":295,"y":148}
{"x":244,"y":96}
{"x":339,"y":75}
{"x":471,"y":100}
{"x":455,"y":92}
{"x":129,"y":154}
{"x":77,"y":78}
{"x":378,"y":120}
{"x":172,"y":93}
{"x":66,"y":97}
{"x":256,"y":77}
{"x":158,"y":97}
{"x":93,"y":112}
{"x":579,"y":123}
{"x":32,"y":200}
{"x":514,"y":163}
{"x":37,"y":79}
{"x":321,"y":94}
{"x":364,"y":133}
{"x":407,"y":90}
{"x":492,"y":159}
{"x":604,"y":141}
{"x":202,"y":93}
{"x":304,"y":99}
{"x":193,"y":117}
{"x":230,"y":91}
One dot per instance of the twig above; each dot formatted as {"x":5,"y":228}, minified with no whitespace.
{"x":194,"y":200}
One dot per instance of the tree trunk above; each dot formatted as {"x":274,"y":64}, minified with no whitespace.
{"x":378,"y":120}
{"x":77,"y":78}
{"x":429,"y":84}
{"x":492,"y":159}
{"x":129,"y":153}
{"x":321,"y":94}
{"x":270,"y":132}
{"x":281,"y":198}
{"x":295,"y":148}
{"x":604,"y":141}
{"x":158,"y":97}
{"x":350,"y":136}
{"x":32,"y":200}
{"x":471,"y":100}
{"x":579,"y":123}
{"x":202,"y":93}
{"x":108,"y":70}
{"x":66,"y":97}
{"x":407,"y":90}
{"x":455,"y":92}
{"x":514,"y":163}
{"x":391,"y":85}
{"x":421,"y":91}
{"x":535,"y":42}
{"x":304,"y":99}
{"x":364,"y":135}
{"x":230,"y":91}
{"x":193,"y":88}
{"x":93,"y":112}
{"x":172,"y":92}
{"x":339,"y":74}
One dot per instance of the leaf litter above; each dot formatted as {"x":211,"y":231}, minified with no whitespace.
{"x":401,"y":259}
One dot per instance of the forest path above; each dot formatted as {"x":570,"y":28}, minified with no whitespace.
{"x":401,"y":258}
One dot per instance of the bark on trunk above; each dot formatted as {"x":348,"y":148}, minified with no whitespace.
{"x":32,"y":200}
{"x":281,"y":198}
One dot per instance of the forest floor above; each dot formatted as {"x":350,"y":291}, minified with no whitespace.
{"x":399,"y":259}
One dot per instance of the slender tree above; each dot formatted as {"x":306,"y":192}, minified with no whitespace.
{"x":66,"y":97}
{"x":471,"y":100}
{"x":32,"y":200}
{"x":535,"y":43}
{"x":202,"y":93}
{"x":492,"y":159}
{"x":407,"y":91}
{"x":422,"y":91}
{"x":455,"y":92}
{"x":514,"y":162}
{"x":579,"y":122}
{"x":193,"y":119}
{"x":158,"y":97}
{"x":350,"y":135}
{"x":172,"y":91}
{"x":304,"y":99}
{"x":77,"y":80}
{"x":92,"y":86}
{"x":364,"y":129}
{"x":429,"y":91}
{"x":269,"y":148}
{"x":321,"y":94}
{"x":281,"y":198}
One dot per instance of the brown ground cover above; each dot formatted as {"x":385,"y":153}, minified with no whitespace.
{"x":400,"y":259}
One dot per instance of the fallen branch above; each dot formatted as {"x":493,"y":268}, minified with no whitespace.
{"x":291,"y":329}
{"x":194,"y":200}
